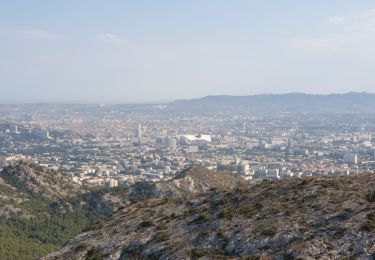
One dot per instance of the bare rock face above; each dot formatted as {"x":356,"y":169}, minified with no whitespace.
{"x":198,"y":180}
{"x":313,"y":218}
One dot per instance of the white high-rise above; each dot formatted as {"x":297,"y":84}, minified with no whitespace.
{"x":139,"y":133}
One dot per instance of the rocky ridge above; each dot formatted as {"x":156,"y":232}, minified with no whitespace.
{"x":39,"y":180}
{"x":40,"y":209}
{"x":312,"y":218}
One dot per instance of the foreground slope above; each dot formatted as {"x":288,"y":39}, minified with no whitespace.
{"x":321,"y":218}
{"x":40,"y":209}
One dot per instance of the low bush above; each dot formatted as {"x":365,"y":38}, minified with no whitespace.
{"x":147,"y":223}
{"x":93,"y":226}
{"x":223,"y":236}
{"x":371,"y":197}
{"x":268,"y":232}
{"x":162,"y":236}
{"x":226,"y":213}
{"x":203,"y":218}
{"x":94,"y":254}
{"x":368,"y":226}
{"x":81,"y":247}
{"x":371,"y":216}
{"x":197,"y":253}
{"x":248,"y":211}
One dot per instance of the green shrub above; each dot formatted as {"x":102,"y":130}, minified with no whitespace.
{"x":216,"y":203}
{"x":94,"y":254}
{"x":268,"y":232}
{"x":93,"y":226}
{"x":197,"y":253}
{"x":248,"y":211}
{"x":204,"y":234}
{"x":203,"y":218}
{"x":371,"y":197}
{"x":81,"y":247}
{"x":258,"y":206}
{"x":266,"y":181}
{"x":147,"y":223}
{"x":226,"y":213}
{"x":162,"y":236}
{"x":368,"y":226}
{"x":371,"y":216}
{"x":190,"y":212}
{"x":288,"y":213}
{"x":161,"y":227}
{"x":223,"y":236}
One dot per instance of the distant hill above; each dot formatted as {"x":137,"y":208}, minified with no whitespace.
{"x":312,"y":218}
{"x":293,"y":102}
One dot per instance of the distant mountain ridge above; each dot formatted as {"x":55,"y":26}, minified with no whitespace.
{"x":292,"y":102}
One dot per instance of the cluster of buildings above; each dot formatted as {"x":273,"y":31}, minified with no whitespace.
{"x":118,"y":146}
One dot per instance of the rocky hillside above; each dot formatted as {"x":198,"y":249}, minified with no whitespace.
{"x":313,"y":218}
{"x":40,"y":209}
{"x":22,"y":184}
{"x":39,"y":180}
{"x":198,"y":180}
{"x":189,"y":181}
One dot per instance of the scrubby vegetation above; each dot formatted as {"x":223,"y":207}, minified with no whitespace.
{"x":37,"y":219}
{"x":94,"y":254}
{"x":40,"y":209}
{"x":47,"y":229}
{"x":147,"y":223}
{"x":317,"y":218}
{"x":162,"y":236}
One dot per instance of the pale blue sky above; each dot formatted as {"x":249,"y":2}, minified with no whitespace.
{"x":143,"y":51}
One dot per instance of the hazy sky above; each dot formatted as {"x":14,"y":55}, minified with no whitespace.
{"x":143,"y":51}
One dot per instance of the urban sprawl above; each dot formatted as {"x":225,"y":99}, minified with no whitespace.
{"x":98,"y":145}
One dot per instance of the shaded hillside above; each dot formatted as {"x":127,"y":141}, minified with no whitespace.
{"x":320,"y":218}
{"x":349,"y":102}
{"x":40,"y":209}
{"x":38,"y":212}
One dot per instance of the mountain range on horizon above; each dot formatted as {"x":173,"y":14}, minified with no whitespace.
{"x":351,"y":102}
{"x":292,"y":102}
{"x":198,"y":99}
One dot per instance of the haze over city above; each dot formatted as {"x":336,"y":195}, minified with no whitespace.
{"x":143,"y":51}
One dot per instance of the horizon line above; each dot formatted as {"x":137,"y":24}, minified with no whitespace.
{"x":160,"y":102}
